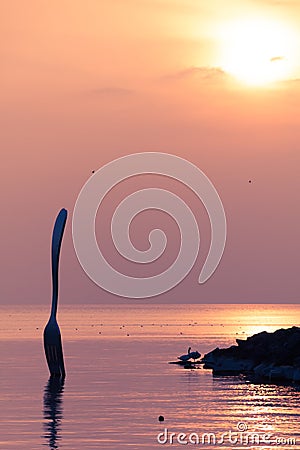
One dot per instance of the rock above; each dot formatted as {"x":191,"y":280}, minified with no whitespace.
{"x":274,"y":356}
{"x":296,"y":376}
{"x":227,"y":364}
{"x":262,"y":370}
{"x":281,"y":373}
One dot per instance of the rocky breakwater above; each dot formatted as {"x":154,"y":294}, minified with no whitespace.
{"x":272,"y":356}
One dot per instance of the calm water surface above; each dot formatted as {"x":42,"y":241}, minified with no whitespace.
{"x":118,"y":381}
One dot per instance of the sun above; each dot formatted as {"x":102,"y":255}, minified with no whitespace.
{"x":258,"y":51}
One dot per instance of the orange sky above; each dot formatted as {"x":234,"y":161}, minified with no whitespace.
{"x":83,"y":83}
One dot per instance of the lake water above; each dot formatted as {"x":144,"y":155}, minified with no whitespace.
{"x":119,"y":382}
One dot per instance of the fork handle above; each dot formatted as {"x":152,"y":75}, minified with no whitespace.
{"x":57,"y":235}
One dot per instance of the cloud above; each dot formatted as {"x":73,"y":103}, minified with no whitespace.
{"x":277,"y":58}
{"x":203,"y":73}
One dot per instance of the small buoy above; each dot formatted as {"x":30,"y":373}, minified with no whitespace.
{"x":161,"y":418}
{"x":93,"y":171}
{"x":250,"y":181}
{"x":127,"y":334}
{"x":99,"y":332}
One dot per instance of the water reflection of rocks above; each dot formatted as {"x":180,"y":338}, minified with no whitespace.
{"x":53,"y":411}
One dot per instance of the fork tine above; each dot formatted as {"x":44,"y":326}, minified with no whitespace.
{"x":55,"y":360}
{"x":55,"y":365}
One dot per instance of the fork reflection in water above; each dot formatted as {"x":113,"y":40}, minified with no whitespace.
{"x":53,"y":411}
